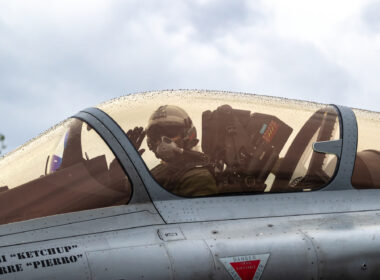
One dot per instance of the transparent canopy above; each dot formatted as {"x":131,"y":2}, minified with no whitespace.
{"x":201,"y":143}
{"x":195,"y":143}
{"x":67,"y":169}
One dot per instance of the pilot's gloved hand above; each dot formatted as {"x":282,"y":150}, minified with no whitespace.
{"x":136,"y":136}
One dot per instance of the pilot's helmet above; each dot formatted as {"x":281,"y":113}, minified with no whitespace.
{"x":173,"y":122}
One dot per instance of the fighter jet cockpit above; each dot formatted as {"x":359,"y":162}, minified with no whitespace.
{"x":218,"y":144}
{"x":194,"y":144}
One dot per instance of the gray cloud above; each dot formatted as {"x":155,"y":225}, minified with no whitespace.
{"x":218,"y":18}
{"x":300,"y":70}
{"x":49,"y":72}
{"x":53,"y":65}
{"x":371,"y":16}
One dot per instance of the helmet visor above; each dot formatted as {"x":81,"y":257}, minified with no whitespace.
{"x":157,"y":131}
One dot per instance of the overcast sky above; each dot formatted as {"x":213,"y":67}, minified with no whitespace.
{"x":57,"y":57}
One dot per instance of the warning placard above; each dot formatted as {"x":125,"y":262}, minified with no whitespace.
{"x":245,"y":267}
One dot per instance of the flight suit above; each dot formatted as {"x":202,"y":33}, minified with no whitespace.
{"x":185,"y":178}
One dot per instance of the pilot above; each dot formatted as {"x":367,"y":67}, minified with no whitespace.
{"x":171,"y":136}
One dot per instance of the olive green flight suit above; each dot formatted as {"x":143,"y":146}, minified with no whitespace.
{"x":185,"y":179}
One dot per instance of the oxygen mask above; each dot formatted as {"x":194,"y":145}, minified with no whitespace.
{"x":167,"y":149}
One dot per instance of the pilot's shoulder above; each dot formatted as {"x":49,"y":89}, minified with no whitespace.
{"x":158,"y":168}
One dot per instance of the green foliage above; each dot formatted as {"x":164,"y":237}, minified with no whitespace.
{"x":2,"y":145}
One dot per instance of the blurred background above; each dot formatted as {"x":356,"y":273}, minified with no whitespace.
{"x":57,"y":57}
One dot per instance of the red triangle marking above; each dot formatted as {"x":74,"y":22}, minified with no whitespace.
{"x":246,"y":270}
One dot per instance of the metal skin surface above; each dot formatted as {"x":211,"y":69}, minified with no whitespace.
{"x":332,"y":234}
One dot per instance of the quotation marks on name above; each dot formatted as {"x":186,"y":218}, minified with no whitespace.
{"x":54,"y":261}
{"x":38,"y":259}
